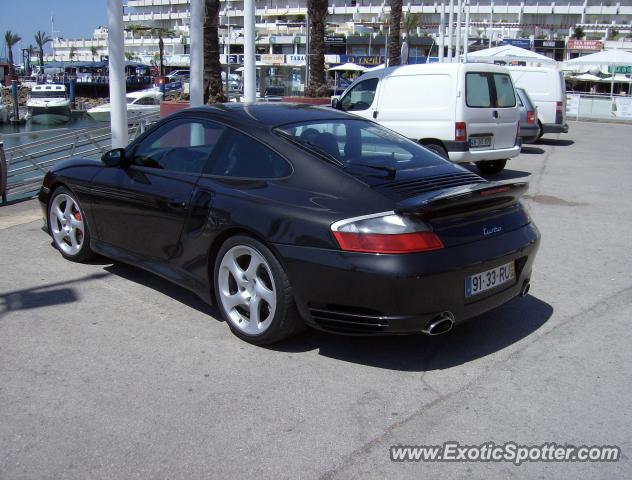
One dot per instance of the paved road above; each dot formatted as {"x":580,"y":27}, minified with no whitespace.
{"x":110,"y":372}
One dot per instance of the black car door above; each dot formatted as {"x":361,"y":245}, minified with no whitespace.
{"x":142,"y":208}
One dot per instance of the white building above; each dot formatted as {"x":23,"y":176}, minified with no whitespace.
{"x":359,"y":27}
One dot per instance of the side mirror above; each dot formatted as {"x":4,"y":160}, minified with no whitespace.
{"x":114,"y":158}
{"x":335,"y":102}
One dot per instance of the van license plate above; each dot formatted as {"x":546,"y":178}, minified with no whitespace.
{"x":481,"y":282}
{"x":480,"y":142}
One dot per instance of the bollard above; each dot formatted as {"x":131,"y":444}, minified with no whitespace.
{"x":14,"y":92}
{"x":73,"y":88}
{"x":3,"y":174}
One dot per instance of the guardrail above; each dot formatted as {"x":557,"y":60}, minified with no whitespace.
{"x":22,"y":167}
{"x":598,"y":106}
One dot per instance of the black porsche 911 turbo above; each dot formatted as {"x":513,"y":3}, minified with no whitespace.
{"x":288,"y":215}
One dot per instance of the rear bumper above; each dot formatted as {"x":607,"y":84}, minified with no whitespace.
{"x":356,"y":293}
{"x":529,"y":132}
{"x":482,"y":155}
{"x":554,"y":128}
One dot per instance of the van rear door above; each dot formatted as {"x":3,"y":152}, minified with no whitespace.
{"x":506,"y":112}
{"x":490,"y":110}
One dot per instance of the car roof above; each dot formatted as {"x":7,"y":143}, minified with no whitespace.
{"x":267,"y":115}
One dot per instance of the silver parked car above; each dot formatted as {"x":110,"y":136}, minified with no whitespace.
{"x":529,"y":128}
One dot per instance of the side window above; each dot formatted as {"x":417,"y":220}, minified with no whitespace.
{"x":242,"y":156}
{"x":179,"y":146}
{"x":477,"y":91}
{"x":360,"y":97}
{"x":505,"y":95}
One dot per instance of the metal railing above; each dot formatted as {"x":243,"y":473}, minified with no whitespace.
{"x":23,"y":166}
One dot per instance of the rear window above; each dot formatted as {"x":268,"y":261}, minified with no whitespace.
{"x":505,"y":95}
{"x":489,"y":90}
{"x":360,"y":146}
{"x":477,"y":91}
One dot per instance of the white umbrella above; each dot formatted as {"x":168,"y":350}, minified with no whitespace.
{"x":612,"y":58}
{"x":379,"y":67}
{"x":349,"y":67}
{"x":507,"y":53}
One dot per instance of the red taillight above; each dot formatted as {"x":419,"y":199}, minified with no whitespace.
{"x":385,"y":233}
{"x":531,"y":118}
{"x":460,"y":132}
{"x":559,"y":106}
{"x":388,"y":243}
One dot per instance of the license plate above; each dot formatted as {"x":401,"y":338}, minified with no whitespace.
{"x":481,"y":282}
{"x":481,"y":142}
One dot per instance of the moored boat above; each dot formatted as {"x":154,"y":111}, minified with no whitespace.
{"x":49,"y":105}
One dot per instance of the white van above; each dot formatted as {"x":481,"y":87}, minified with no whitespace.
{"x":464,"y":112}
{"x":547,"y":89}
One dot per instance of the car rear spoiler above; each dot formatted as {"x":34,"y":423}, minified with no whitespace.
{"x":465,"y":198}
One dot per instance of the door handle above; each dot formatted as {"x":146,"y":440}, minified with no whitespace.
{"x":374,"y":113}
{"x":495,"y":114}
{"x":175,"y":203}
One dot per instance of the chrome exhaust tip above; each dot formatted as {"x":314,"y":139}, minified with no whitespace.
{"x":526,"y":286}
{"x":440,"y":324}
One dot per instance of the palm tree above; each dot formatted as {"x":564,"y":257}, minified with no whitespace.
{"x":11,"y":39}
{"x":41,"y":39}
{"x":94,"y":51}
{"x":394,"y":46}
{"x":71,"y":53}
{"x":317,"y":12}
{"x":31,"y":51}
{"x":159,"y":32}
{"x":213,"y":88}
{"x":130,"y":56}
{"x":578,"y":33}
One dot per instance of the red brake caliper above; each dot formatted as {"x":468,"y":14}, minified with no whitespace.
{"x":77,"y":216}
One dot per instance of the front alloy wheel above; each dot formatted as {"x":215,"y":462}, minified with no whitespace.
{"x":67,"y":226}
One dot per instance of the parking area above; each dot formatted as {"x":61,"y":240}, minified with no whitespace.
{"x":107,"y":371}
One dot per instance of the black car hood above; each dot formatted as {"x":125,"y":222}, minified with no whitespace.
{"x":76,"y":162}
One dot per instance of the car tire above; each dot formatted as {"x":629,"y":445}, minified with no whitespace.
{"x":68,"y":226}
{"x":438,"y":149}
{"x":541,"y":132}
{"x":244,"y":289}
{"x":491,"y":166}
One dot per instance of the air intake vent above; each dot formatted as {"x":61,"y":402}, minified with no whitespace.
{"x":409,"y":188}
{"x":348,"y":322}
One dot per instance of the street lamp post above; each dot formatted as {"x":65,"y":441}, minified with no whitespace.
{"x":116,"y":51}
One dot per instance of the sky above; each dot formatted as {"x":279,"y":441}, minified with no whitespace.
{"x":73,"y":19}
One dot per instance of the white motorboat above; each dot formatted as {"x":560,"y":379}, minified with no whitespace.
{"x":49,"y":105}
{"x":138,"y":104}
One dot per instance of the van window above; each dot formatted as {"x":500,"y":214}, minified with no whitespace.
{"x":489,"y":90}
{"x":477,"y":92}
{"x":360,"y":97}
{"x":505,"y":95}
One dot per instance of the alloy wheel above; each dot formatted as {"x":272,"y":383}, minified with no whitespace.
{"x":247,"y":290}
{"x":67,"y":224}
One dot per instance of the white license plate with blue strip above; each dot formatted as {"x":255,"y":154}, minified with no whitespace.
{"x":481,"y":282}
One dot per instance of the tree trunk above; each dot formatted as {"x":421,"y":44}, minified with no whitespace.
{"x":394,"y":46}
{"x":11,"y":69}
{"x":317,"y":12}
{"x":161,"y":50}
{"x":213,"y":88}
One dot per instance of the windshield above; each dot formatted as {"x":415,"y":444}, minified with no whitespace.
{"x":130,"y":100}
{"x":358,"y":143}
{"x":48,"y":94}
